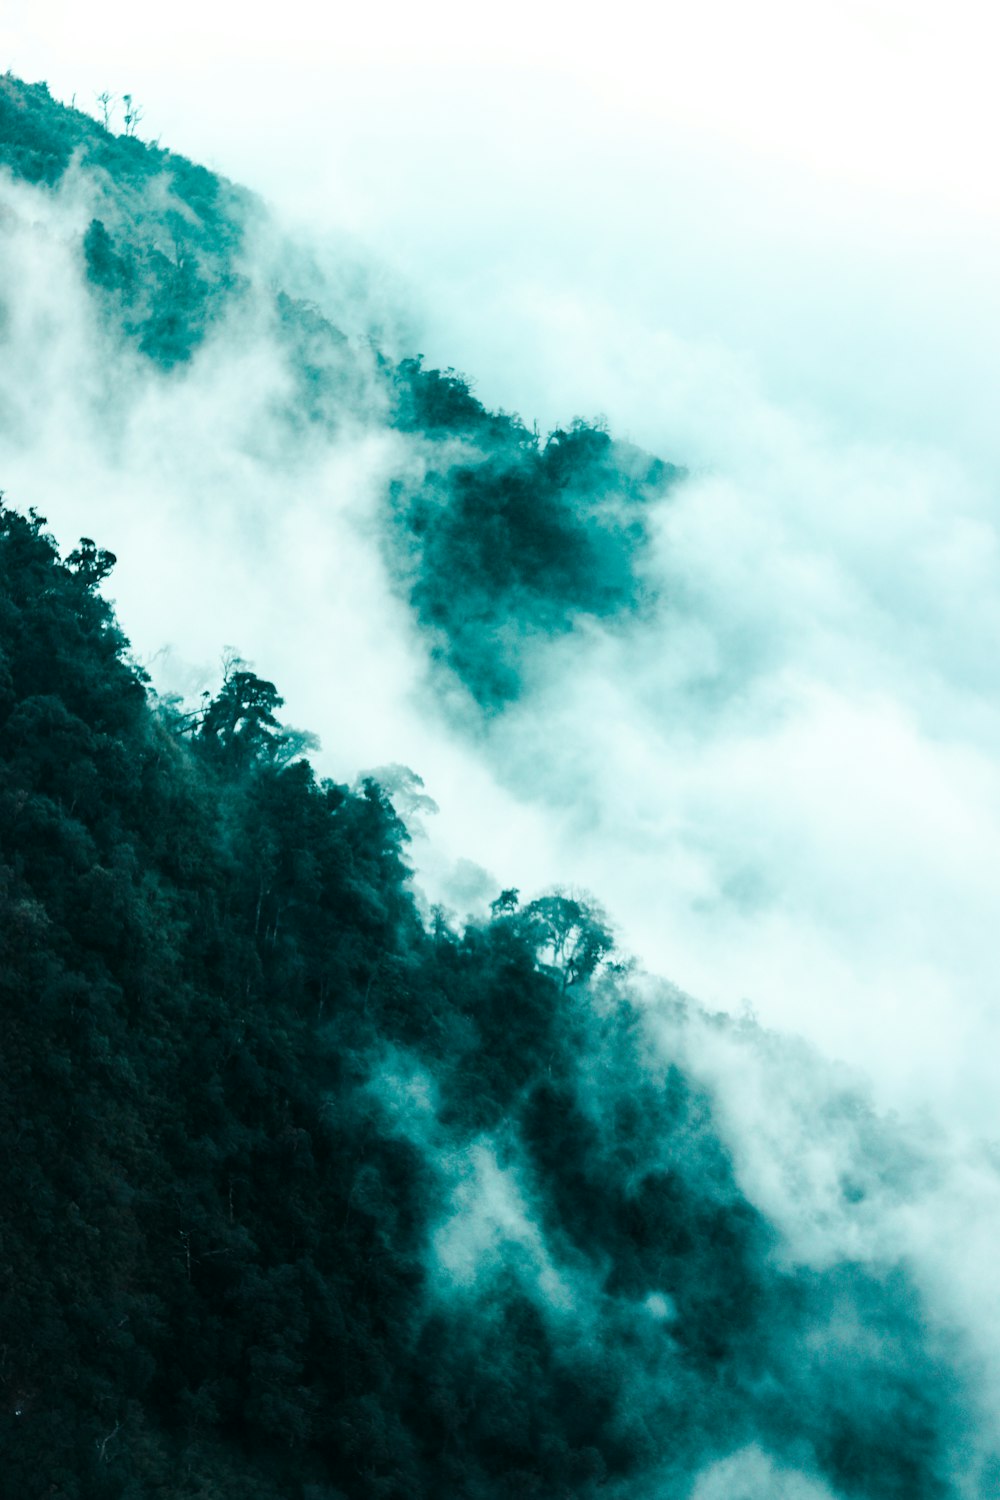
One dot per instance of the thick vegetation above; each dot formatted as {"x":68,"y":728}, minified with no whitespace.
{"x":300,"y":1197}
{"x":166,"y":266}
{"x":512,"y":541}
{"x":504,"y":542}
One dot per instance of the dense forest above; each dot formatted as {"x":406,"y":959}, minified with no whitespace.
{"x":497,"y":537}
{"x":308,"y":1193}
{"x":304,"y":1195}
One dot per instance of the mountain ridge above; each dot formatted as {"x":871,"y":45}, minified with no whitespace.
{"x":306,"y":1193}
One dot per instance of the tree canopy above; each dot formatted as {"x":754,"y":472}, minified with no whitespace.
{"x":300,"y":1196}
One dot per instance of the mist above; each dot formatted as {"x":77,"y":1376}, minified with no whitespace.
{"x":784,"y":784}
{"x":783,"y":787}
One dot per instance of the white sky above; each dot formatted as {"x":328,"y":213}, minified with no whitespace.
{"x":763,"y":239}
{"x":897,"y":92}
{"x":893,"y":95}
{"x":762,"y":174}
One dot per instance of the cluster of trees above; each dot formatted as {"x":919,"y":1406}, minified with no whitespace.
{"x":510,"y":544}
{"x":244,"y":1087}
{"x":219,"y":1219}
{"x":166,"y":266}
{"x":163,"y":301}
{"x":520,"y":538}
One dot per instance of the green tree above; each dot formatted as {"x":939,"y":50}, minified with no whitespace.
{"x":90,"y":562}
{"x":241,"y":721}
{"x":506,"y":903}
{"x":570,"y":934}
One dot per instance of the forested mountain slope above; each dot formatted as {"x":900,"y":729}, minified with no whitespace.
{"x":498,"y":538}
{"x":299,"y":1193}
{"x":306,"y":1192}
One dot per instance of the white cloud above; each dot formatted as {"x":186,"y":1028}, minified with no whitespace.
{"x":785,"y":789}
{"x":751,"y":1474}
{"x":773,"y":263}
{"x":490,"y":1226}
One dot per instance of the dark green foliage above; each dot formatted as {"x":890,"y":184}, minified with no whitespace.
{"x":218,"y":1212}
{"x":105,"y":267}
{"x":39,"y":138}
{"x":164,"y":272}
{"x":515,"y":540}
{"x":174,"y":919}
{"x":239,"y":723}
{"x":162,"y":258}
{"x":35,"y":143}
{"x":506,"y":543}
{"x":571,"y":933}
{"x":245,"y":1093}
{"x":164,"y":302}
{"x":440,"y":404}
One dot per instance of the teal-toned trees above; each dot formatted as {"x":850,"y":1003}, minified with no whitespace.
{"x":90,"y":562}
{"x":509,"y":544}
{"x":244,"y":1087}
{"x":506,"y":903}
{"x":240,"y":722}
{"x":569,"y":934}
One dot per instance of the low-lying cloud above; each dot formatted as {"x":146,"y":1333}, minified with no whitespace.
{"x":784,"y":785}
